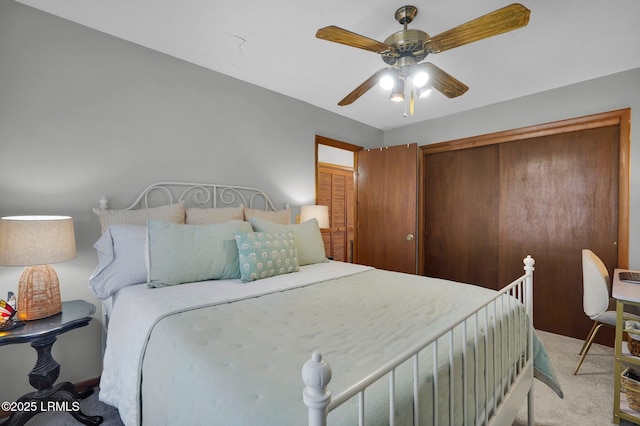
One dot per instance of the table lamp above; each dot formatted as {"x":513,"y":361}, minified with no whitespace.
{"x":36,"y":242}
{"x":320,"y":213}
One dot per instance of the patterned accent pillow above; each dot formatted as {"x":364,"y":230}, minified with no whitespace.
{"x":170,"y":213}
{"x":264,"y":255}
{"x":202,"y":216}
{"x":282,"y":217}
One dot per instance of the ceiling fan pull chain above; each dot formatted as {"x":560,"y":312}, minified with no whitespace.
{"x":412,"y":102}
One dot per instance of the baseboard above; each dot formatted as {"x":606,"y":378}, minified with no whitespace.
{"x":80,"y":387}
{"x":87,"y":384}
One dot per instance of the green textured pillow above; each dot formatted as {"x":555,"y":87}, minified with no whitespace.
{"x":188,"y":253}
{"x":264,"y":255}
{"x":306,"y":235}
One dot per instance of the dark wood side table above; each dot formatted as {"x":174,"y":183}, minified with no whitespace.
{"x":42,"y":335}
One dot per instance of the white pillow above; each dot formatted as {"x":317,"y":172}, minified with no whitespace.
{"x":121,"y":259}
{"x":169,"y":213}
{"x":307,"y":236}
{"x":204,"y":216}
{"x":280,"y":216}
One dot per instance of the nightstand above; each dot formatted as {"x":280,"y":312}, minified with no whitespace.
{"x":42,"y":335}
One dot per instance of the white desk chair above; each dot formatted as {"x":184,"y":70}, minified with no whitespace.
{"x":595,"y":301}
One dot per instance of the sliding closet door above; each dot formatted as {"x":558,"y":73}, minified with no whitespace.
{"x":387,"y":182}
{"x":493,"y":199}
{"x":461,"y":214}
{"x":559,"y":195}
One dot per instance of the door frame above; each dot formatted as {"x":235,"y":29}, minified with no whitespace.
{"x":621,"y":118}
{"x":322,"y":140}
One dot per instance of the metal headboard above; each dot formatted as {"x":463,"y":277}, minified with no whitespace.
{"x":199,"y":195}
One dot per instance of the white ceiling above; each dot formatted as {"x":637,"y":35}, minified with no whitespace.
{"x":272,"y":44}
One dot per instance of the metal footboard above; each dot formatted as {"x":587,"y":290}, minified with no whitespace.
{"x":498,"y":388}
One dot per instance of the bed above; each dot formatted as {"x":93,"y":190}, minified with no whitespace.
{"x":192,"y":340}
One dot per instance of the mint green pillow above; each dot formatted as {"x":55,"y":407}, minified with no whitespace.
{"x":306,"y":235}
{"x":179,"y":253}
{"x":264,"y":255}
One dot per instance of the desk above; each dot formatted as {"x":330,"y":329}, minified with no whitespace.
{"x":625,"y":293}
{"x":42,"y":335}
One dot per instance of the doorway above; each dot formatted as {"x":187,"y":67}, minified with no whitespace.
{"x":335,"y":188}
{"x":372,"y":198}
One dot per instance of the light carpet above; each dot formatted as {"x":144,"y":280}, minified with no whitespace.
{"x":588,"y":397}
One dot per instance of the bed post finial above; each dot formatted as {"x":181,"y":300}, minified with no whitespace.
{"x":316,"y":374}
{"x":104,"y":203}
{"x":528,"y":263}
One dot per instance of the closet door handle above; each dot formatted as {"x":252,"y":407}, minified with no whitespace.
{"x":409,"y":237}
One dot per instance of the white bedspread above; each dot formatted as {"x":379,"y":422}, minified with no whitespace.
{"x":139,"y":308}
{"x":185,"y":353}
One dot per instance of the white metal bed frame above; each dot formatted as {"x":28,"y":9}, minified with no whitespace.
{"x":211,"y":195}
{"x":499,"y":410}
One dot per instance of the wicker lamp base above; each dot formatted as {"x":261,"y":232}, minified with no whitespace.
{"x":38,"y":293}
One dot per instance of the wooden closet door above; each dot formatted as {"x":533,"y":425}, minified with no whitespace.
{"x":461,"y":215}
{"x":387,"y":182}
{"x":559,"y":195}
{"x":562,"y":187}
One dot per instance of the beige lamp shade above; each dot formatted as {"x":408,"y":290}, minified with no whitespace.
{"x":320,"y":213}
{"x":36,"y":242}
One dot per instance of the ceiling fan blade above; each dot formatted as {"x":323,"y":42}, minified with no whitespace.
{"x":500,"y":21}
{"x":342,"y":36}
{"x":362,"y":89}
{"x":443,"y":82}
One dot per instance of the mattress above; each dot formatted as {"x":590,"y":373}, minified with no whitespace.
{"x":232,"y":352}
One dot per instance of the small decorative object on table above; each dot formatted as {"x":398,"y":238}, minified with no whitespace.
{"x":8,"y":320}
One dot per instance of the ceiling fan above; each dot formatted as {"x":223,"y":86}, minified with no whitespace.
{"x":405,"y":50}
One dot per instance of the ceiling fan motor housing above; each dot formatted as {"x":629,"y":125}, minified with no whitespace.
{"x":406,"y":43}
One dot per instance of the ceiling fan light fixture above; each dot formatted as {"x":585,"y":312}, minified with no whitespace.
{"x":387,"y":82}
{"x":420,"y":78}
{"x":397,"y":94}
{"x":423,"y":91}
{"x":388,"y":79}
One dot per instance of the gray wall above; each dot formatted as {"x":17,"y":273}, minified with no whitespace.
{"x":84,"y":114}
{"x":604,"y":94}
